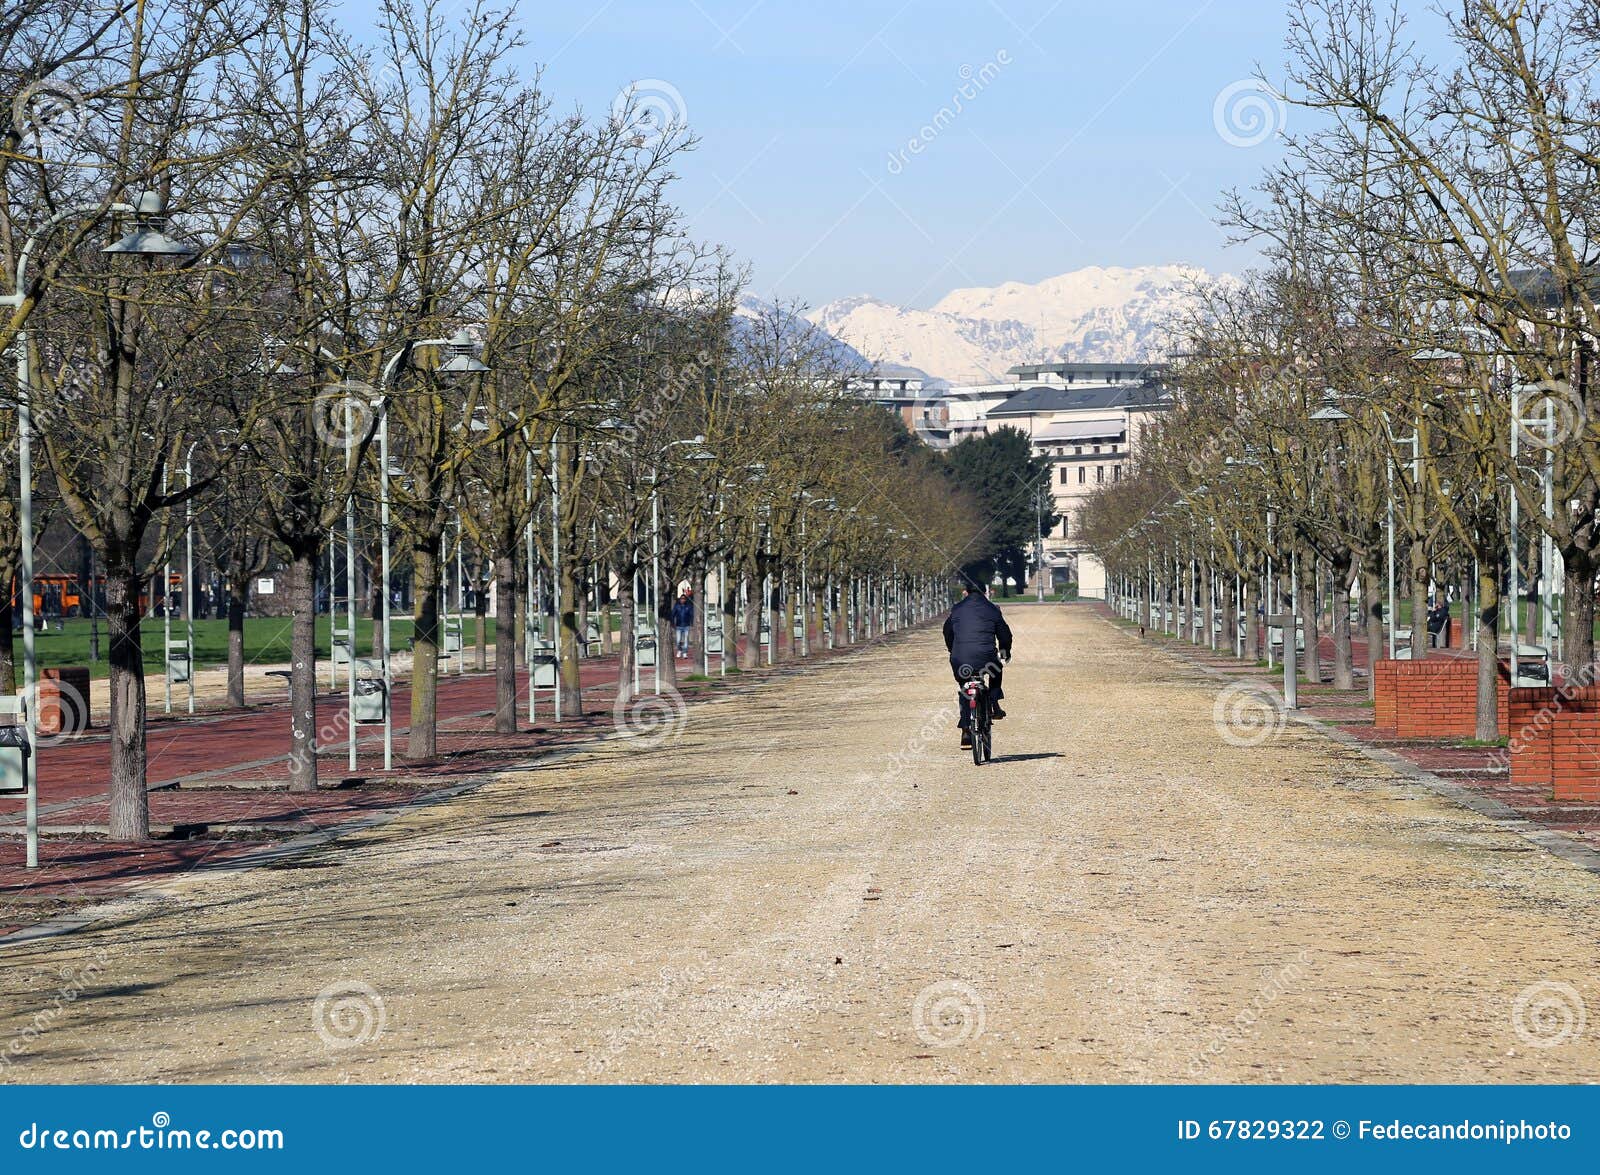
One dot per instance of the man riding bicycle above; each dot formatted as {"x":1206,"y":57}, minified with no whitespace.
{"x":978,"y":638}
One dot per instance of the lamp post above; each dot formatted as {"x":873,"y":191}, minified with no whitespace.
{"x":147,"y":239}
{"x":462,"y":361}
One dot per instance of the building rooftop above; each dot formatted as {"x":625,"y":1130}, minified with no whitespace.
{"x":1130,"y":371}
{"x":1082,"y":430}
{"x":1058,"y":398}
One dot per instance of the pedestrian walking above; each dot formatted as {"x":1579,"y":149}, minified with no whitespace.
{"x":682,"y":622}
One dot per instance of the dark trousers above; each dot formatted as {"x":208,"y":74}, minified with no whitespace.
{"x":965,"y":668}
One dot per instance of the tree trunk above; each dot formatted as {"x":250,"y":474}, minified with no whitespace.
{"x":524,"y":595}
{"x":1419,"y":601}
{"x":1343,"y":661}
{"x":129,"y":800}
{"x":697,"y":629}
{"x":303,"y":671}
{"x":1372,"y":623}
{"x":666,"y":639}
{"x":628,"y":607}
{"x":783,"y":649}
{"x":750,"y":657}
{"x":568,"y":637}
{"x":1306,"y":590}
{"x":505,"y":645}
{"x":238,"y":590}
{"x":1488,"y":650}
{"x":480,"y":609}
{"x":8,"y":646}
{"x":375,"y":614}
{"x":422,"y":743}
{"x":1577,"y":613}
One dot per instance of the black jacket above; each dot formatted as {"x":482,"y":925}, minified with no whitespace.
{"x":973,"y":630}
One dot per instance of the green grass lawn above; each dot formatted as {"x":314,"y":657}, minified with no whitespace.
{"x":266,"y":640}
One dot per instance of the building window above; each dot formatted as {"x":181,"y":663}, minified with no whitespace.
{"x":1063,"y":526}
{"x":1083,"y":471}
{"x":1063,"y":475}
{"x":1116,"y":473}
{"x":1099,"y":474}
{"x":1097,"y":448}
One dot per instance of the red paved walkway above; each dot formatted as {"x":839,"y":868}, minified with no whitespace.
{"x":218,"y":779}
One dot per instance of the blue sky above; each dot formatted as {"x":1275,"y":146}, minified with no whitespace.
{"x":1092,"y":141}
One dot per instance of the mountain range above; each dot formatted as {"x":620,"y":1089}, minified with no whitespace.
{"x":1095,"y":315}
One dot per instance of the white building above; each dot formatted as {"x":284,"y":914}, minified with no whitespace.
{"x":1084,"y":418}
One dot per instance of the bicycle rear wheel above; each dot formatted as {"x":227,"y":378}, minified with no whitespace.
{"x":980,"y":730}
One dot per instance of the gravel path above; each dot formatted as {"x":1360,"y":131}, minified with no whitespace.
{"x":810,"y":883}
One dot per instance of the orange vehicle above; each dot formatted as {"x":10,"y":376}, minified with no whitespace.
{"x":60,"y":595}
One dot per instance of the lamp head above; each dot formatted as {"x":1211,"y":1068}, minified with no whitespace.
{"x":148,"y":237}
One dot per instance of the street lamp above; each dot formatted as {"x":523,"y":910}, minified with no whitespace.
{"x":462,"y":361}
{"x":147,"y":240}
{"x":655,"y":551}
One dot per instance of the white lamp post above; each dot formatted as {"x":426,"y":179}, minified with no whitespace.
{"x":146,"y":240}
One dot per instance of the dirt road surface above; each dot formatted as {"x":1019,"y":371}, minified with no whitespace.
{"x":809,"y":883}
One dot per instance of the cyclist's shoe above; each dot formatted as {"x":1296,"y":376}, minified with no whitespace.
{"x":996,"y":712}
{"x":966,"y":740}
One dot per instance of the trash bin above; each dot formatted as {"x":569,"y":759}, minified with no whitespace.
{"x":645,"y":645}
{"x":341,"y":651}
{"x":1533,"y":666}
{"x":766,"y":634}
{"x":370,"y":703}
{"x":544,"y":671}
{"x":14,"y":752}
{"x":714,"y":639}
{"x":799,"y":628}
{"x":178,"y":664}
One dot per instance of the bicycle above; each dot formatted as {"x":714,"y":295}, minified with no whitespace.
{"x":980,"y":723}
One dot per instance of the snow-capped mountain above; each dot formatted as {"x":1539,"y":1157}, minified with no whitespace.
{"x":1089,"y":315}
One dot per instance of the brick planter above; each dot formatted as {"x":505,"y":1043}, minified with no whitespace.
{"x":1574,"y":752}
{"x":1434,"y":698}
{"x":64,"y":700}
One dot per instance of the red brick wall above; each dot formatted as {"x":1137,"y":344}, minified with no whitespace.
{"x":1436,"y":697}
{"x":1530,"y":719}
{"x":1383,"y":693}
{"x":1575,"y":752}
